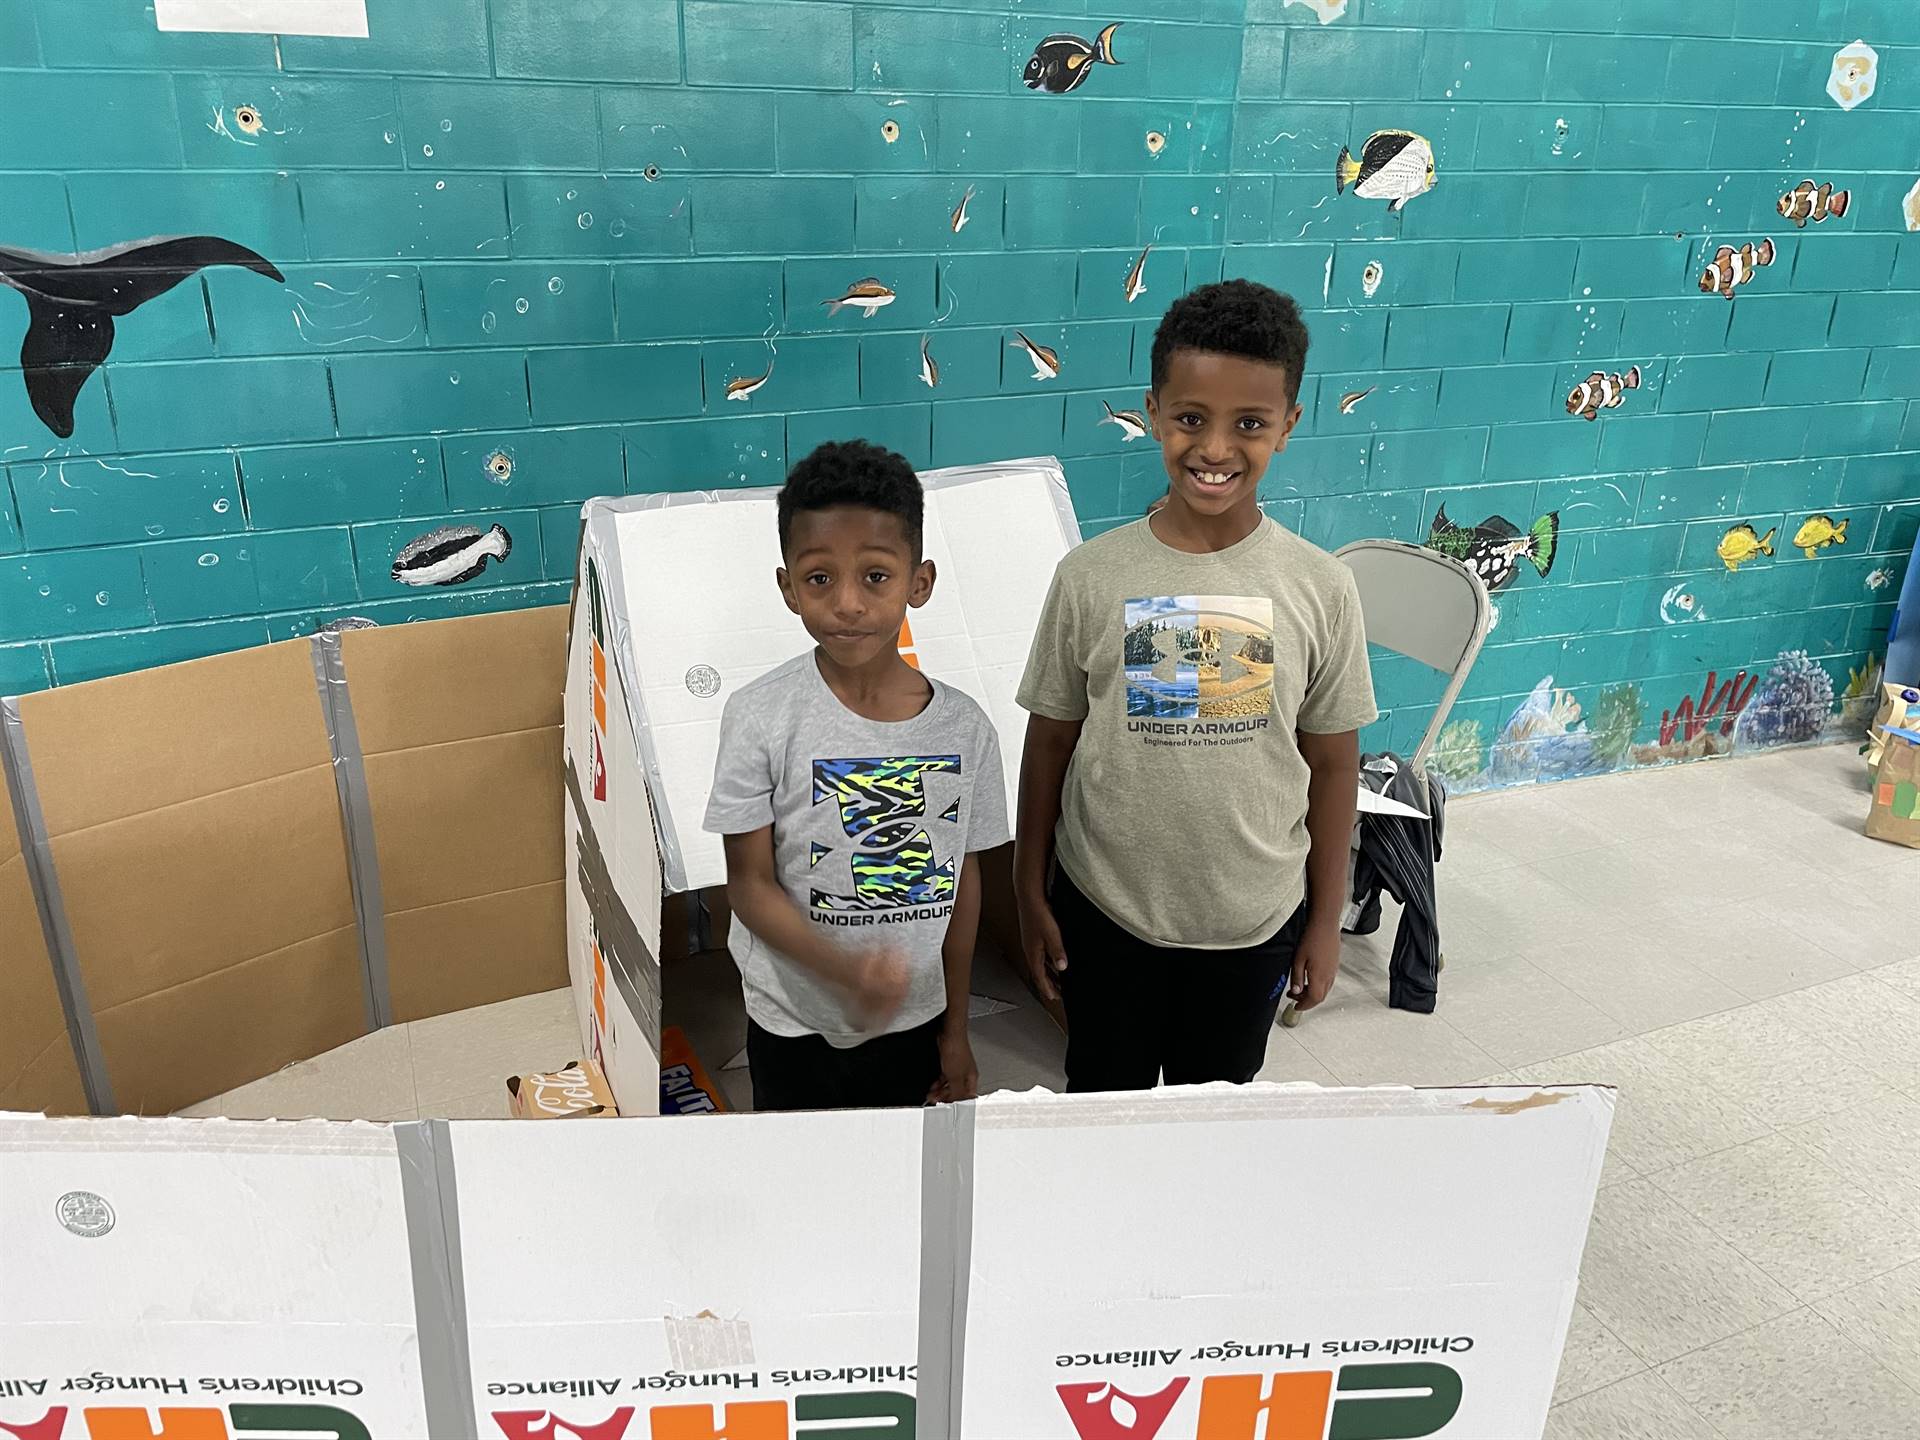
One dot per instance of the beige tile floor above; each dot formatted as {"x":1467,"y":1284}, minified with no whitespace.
{"x":1719,"y":941}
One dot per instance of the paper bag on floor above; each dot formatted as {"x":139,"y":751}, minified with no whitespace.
{"x":1899,"y":710}
{"x":1896,"y":790}
{"x":579,"y":1091}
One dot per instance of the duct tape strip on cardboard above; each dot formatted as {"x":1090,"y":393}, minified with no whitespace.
{"x":356,"y":818}
{"x":36,"y":854}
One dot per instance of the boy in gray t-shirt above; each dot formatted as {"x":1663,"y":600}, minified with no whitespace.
{"x":853,"y":792}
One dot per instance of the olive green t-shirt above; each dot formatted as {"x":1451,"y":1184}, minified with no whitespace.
{"x":1185,"y":807}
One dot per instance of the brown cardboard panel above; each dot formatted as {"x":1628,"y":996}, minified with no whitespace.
{"x":37,"y":1068}
{"x":468,"y":818}
{"x":113,"y":748}
{"x":474,"y":952}
{"x":443,"y":680}
{"x":222,"y":1029}
{"x":160,"y":899}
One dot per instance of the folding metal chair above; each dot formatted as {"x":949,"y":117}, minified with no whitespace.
{"x":1418,"y":603}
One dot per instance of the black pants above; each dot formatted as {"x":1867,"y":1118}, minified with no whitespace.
{"x":1137,"y":1011}
{"x":804,"y":1072}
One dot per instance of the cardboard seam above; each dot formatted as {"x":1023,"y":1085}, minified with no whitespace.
{"x":946,"y":1261}
{"x":77,"y":830}
{"x":381,"y":754}
{"x":560,"y":879}
{"x":108,"y":1007}
{"x":43,"y":879}
{"x":33,"y":1060}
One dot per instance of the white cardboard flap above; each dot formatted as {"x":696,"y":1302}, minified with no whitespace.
{"x":699,"y":615}
{"x":205,"y":1263}
{"x":1182,"y":1248}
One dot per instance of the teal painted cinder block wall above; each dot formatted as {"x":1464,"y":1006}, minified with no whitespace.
{"x":554,"y":230}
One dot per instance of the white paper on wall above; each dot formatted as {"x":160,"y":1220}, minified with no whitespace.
{"x":343,"y":18}
{"x":1201,"y":1250}
{"x":204,"y":1264}
{"x":702,"y":617}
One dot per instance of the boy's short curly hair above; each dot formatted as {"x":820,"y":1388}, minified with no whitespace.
{"x":853,"y":472}
{"x":1234,"y":317}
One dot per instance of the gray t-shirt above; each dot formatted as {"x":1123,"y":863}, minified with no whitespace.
{"x":871,"y":823}
{"x":1184,"y":812}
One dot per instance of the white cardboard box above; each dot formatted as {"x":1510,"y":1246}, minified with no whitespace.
{"x":211,"y":1265}
{"x":1181,"y":1257}
{"x":1170,"y":1265}
{"x":675,"y":608}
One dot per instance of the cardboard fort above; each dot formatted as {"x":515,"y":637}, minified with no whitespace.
{"x":674,"y":609}
{"x":1033,"y":1266}
{"x":214,"y":869}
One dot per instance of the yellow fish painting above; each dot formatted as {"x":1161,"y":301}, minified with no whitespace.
{"x":1820,"y":532}
{"x":1742,"y":543}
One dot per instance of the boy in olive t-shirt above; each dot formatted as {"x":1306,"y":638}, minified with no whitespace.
{"x":1195,"y":691}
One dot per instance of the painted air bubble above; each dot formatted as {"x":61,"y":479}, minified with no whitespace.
{"x":556,"y":286}
{"x":585,"y":219}
{"x":221,"y":506}
{"x":207,"y":562}
{"x":488,"y":321}
{"x":521,"y":306}
{"x":426,"y":150}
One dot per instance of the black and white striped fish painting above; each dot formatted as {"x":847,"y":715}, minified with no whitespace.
{"x":451,"y":555}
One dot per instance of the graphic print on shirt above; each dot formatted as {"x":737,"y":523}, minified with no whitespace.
{"x":1206,"y":657}
{"x":894,"y":864}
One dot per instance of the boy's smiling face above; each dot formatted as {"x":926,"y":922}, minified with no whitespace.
{"x":850,"y":576}
{"x":1220,"y":419}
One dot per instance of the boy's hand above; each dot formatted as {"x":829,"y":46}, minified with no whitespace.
{"x":1040,"y":939}
{"x":1315,"y":964}
{"x":959,"y":1076}
{"x":876,"y":983}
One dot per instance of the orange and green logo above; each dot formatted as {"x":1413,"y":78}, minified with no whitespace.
{"x":1358,"y":1402}
{"x":186,"y":1422}
{"x":859,"y":1415}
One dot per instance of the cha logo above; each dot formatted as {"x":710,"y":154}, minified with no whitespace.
{"x":882,"y":806}
{"x":187,"y":1422}
{"x":857,"y":1415}
{"x":1362,"y":1402}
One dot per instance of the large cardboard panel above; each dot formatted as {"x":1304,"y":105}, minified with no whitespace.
{"x":699,"y":616}
{"x":775,"y":1264}
{"x":37,"y":1066}
{"x":613,"y":870}
{"x":1221,"y":1247}
{"x":175,"y":800}
{"x":459,"y":727}
{"x":203,"y":1265}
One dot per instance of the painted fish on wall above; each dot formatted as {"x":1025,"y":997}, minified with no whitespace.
{"x":1494,"y":548}
{"x":1131,"y":423}
{"x":1806,"y":201}
{"x":451,"y":555}
{"x":72,"y":303}
{"x":1730,"y":268}
{"x":1601,"y":391}
{"x":866,"y":295}
{"x":1046,"y":361}
{"x":1741,"y":543}
{"x":1394,"y":165}
{"x":1818,"y":532}
{"x":1061,"y":63}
